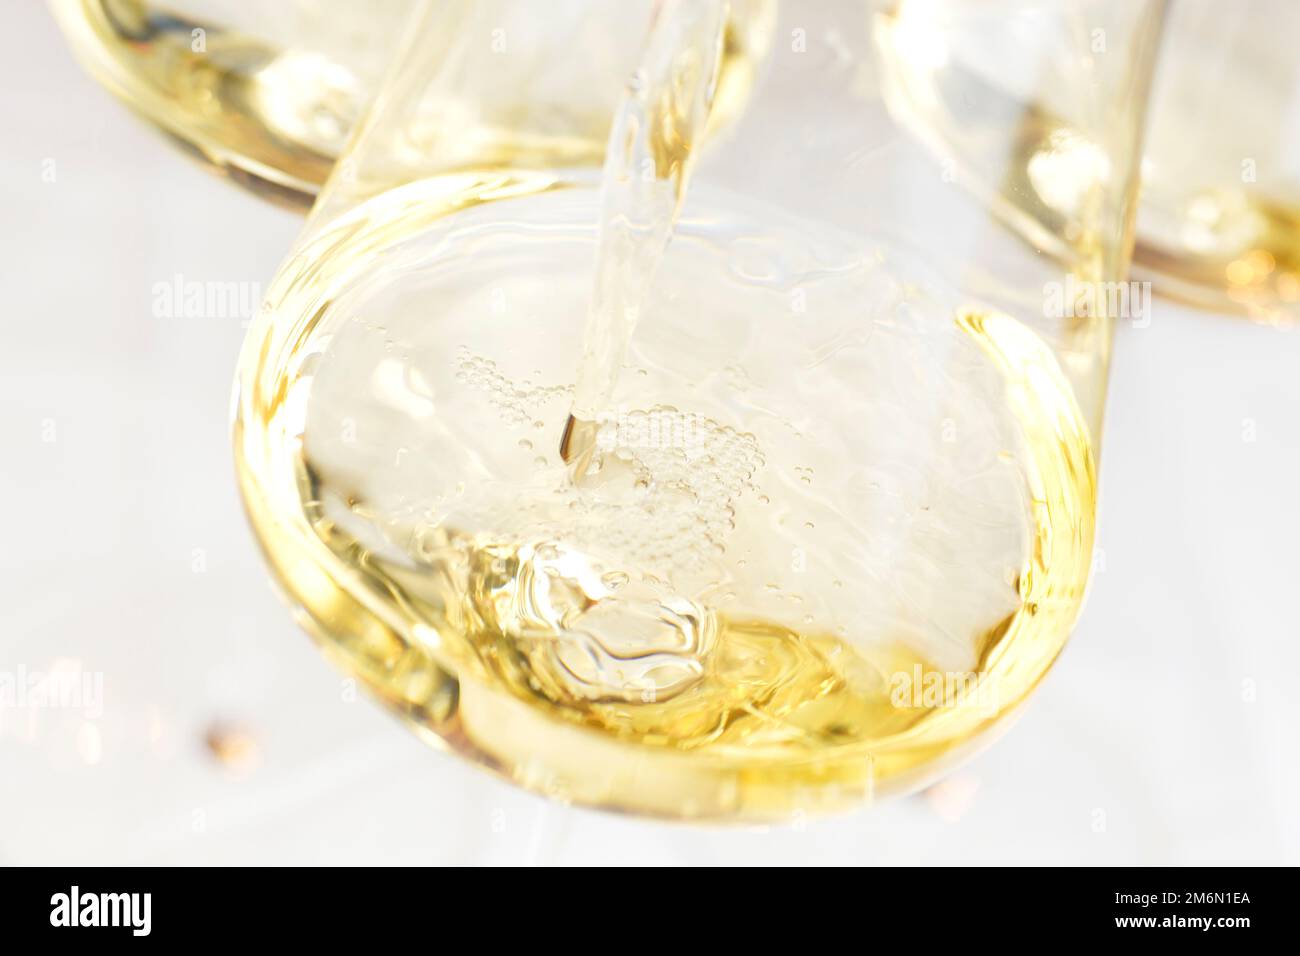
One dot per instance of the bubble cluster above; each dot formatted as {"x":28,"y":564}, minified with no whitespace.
{"x":663,"y":486}
{"x":517,"y":401}
{"x":659,"y":492}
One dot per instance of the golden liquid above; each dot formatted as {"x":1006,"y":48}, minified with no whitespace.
{"x":648,"y":161}
{"x":1237,"y":252}
{"x":272,"y":117}
{"x":823,"y":480}
{"x":1218,"y":224}
{"x":267,"y":94}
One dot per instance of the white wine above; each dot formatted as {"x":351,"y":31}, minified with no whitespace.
{"x":264,"y":93}
{"x":1219,"y":224}
{"x":763,"y":519}
{"x":648,"y":159}
{"x":836,"y":523}
{"x":268,"y":93}
{"x":1219,"y":217}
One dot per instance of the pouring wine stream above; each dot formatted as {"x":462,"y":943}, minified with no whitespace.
{"x":647,"y":170}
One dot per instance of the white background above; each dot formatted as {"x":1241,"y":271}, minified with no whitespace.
{"x":1167,"y":733}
